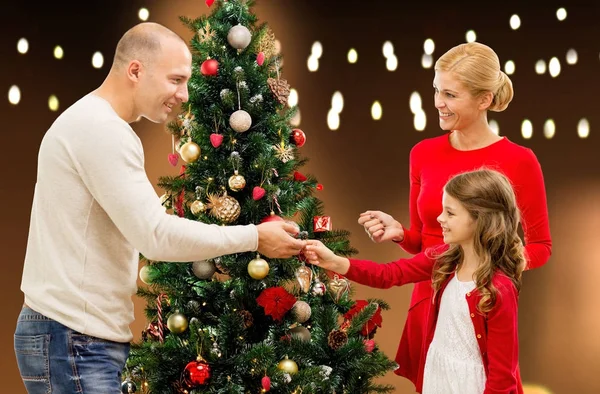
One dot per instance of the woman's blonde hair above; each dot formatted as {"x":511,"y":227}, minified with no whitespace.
{"x":490,"y":200}
{"x":477,"y":67}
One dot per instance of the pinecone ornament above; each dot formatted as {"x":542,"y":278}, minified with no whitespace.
{"x":280,"y":89}
{"x":248,"y":318}
{"x":225,"y":208}
{"x":337,"y":339}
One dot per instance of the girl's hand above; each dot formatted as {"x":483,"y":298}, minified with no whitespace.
{"x":318,"y":254}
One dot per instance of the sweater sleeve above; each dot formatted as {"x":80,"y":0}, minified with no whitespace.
{"x":503,"y":342}
{"x":397,"y":273}
{"x":531,"y":199}
{"x":412,"y":237}
{"x":110,"y":161}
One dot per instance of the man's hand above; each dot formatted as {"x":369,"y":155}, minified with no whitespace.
{"x":275,"y":241}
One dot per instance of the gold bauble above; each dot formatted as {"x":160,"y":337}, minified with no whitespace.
{"x":237,"y":182}
{"x":197,"y":207}
{"x":225,"y":208}
{"x":301,"y":333}
{"x":177,"y":323}
{"x":301,"y":311}
{"x":145,"y":274}
{"x":288,"y":366}
{"x":190,"y":152}
{"x":258,"y":268}
{"x":240,"y":121}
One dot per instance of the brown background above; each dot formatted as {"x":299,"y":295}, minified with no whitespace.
{"x":364,"y":164}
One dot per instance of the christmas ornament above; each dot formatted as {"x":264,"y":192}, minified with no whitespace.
{"x":240,"y":121}
{"x":299,"y":137}
{"x":216,"y":140}
{"x":369,"y":345}
{"x":128,"y":387}
{"x":248,"y":318}
{"x":258,"y":193}
{"x":299,"y":177}
{"x":177,"y":323}
{"x":283,"y":152}
{"x":321,"y":224}
{"x":319,"y":187}
{"x":160,"y":324}
{"x":209,"y":2}
{"x":288,"y":366}
{"x":260,"y":58}
{"x":239,"y":36}
{"x":206,"y":33}
{"x":304,"y":276}
{"x":266,"y":44}
{"x":301,"y":311}
{"x":145,"y":273}
{"x":272,"y":218}
{"x":209,"y":67}
{"x":173,"y":159}
{"x":225,"y":208}
{"x":276,"y":302}
{"x":325,"y":371}
{"x":258,"y":268}
{"x":204,"y":269}
{"x":280,"y":89}
{"x":374,"y":322}
{"x":165,"y":200}
{"x":301,"y":333}
{"x":318,"y":288}
{"x":197,"y":207}
{"x":265,"y":383}
{"x":190,"y":152}
{"x":336,"y":339}
{"x":151,"y":332}
{"x":236,"y":182}
{"x":196,"y":373}
{"x":338,"y":287}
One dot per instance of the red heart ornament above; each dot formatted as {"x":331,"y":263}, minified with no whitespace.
{"x":173,"y":159}
{"x":216,"y":139}
{"x":258,"y":193}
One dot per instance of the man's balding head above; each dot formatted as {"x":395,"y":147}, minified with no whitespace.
{"x":143,"y":42}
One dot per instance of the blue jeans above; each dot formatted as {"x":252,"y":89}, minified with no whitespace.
{"x":54,"y":359}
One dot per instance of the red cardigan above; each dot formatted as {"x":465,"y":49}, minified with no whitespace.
{"x":496,"y":332}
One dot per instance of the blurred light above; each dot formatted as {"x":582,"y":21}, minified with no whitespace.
{"x":571,"y":56}
{"x":471,"y":36}
{"x":333,"y":120}
{"x":515,"y":22}
{"x":527,"y":129}
{"x":317,"y":49}
{"x":426,"y":61}
{"x":428,"y":46}
{"x":293,"y":98}
{"x":352,"y":56}
{"x":391,"y":63}
{"x":277,"y":47}
{"x":540,"y":67}
{"x":549,"y":128}
{"x":143,"y":14}
{"x":561,"y":14}
{"x":337,"y":102}
{"x":583,"y":128}
{"x":58,"y":52}
{"x":23,"y":45}
{"x":376,"y":110}
{"x":415,"y":103}
{"x":97,"y":60}
{"x":494,"y":126}
{"x":295,"y":121}
{"x":313,"y":63}
{"x":554,"y":67}
{"x":509,"y":67}
{"x":53,"y":103}
{"x":420,"y":120}
{"x":388,"y":49}
{"x":14,"y":95}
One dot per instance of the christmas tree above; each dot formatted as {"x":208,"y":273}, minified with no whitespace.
{"x":239,"y":323}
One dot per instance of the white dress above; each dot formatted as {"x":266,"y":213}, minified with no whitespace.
{"x":453,"y":364}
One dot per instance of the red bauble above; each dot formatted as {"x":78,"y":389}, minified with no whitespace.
{"x":272,"y":218}
{"x":196,"y":373}
{"x":209,"y":67}
{"x":299,"y":177}
{"x":216,"y":140}
{"x":299,"y":137}
{"x":266,"y":383}
{"x":319,"y":186}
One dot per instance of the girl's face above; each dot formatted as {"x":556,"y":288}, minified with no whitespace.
{"x":458,"y":227}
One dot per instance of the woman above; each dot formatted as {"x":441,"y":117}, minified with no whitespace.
{"x":468,"y":83}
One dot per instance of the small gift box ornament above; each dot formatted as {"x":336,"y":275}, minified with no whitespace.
{"x":321,"y":224}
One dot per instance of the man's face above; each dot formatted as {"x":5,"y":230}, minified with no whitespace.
{"x":163,"y":85}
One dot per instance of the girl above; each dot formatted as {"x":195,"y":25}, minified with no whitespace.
{"x":471,"y":342}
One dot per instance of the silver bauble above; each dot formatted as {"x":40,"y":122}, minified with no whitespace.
{"x":240,"y":121}
{"x":239,"y":36}
{"x":204,"y":269}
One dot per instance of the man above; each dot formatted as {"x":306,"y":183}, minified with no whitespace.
{"x":94,"y":210}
